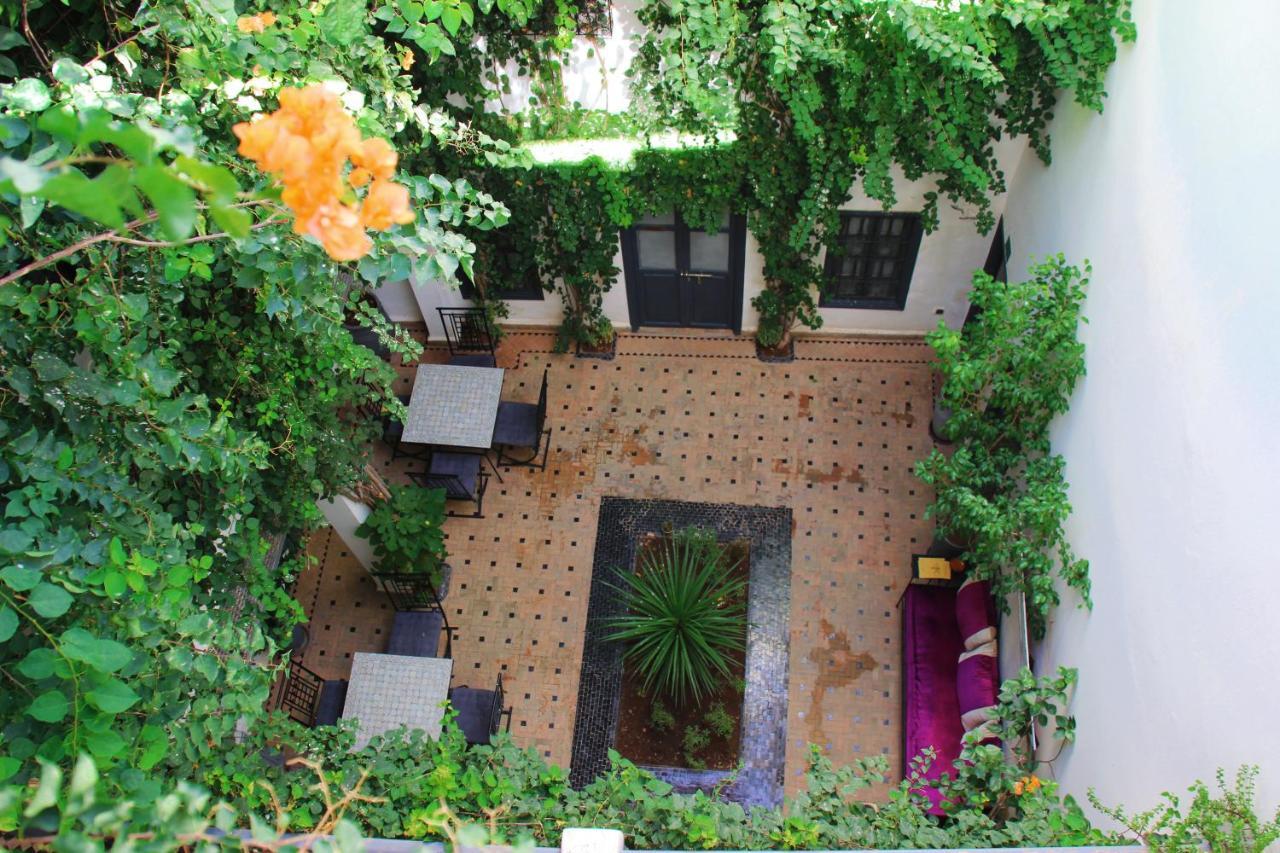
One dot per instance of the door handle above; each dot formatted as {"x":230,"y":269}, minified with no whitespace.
{"x":697,"y":275}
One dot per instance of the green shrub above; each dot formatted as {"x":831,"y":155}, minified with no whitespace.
{"x":1228,"y":821}
{"x":769,"y":332}
{"x":686,"y":616}
{"x":406,"y":531}
{"x":661,"y":718}
{"x":719,"y":721}
{"x":1007,"y":374}
{"x":695,"y":739}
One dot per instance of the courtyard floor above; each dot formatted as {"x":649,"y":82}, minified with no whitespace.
{"x":692,"y":417}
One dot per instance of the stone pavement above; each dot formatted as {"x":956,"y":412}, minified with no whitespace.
{"x":693,"y":417}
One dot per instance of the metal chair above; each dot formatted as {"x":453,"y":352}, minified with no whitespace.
{"x":470,"y":337}
{"x":417,"y":634}
{"x":310,"y":699}
{"x":521,"y":425}
{"x":459,"y":475}
{"x":480,"y":712}
{"x":393,"y":435}
{"x":420,"y":618}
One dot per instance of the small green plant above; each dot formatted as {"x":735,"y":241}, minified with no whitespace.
{"x":769,"y":332}
{"x":719,"y":721}
{"x":694,"y":741}
{"x":406,"y":531}
{"x":1228,"y":821}
{"x":686,"y":615}
{"x":661,"y":718}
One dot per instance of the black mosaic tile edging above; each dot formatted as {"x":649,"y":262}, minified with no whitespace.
{"x":762,"y":755}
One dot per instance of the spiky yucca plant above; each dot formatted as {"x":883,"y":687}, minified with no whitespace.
{"x":686,"y":616}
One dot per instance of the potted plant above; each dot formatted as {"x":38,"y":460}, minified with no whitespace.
{"x":598,"y":339}
{"x":406,"y":533}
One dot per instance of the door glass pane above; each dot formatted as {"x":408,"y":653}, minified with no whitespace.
{"x":657,"y":249}
{"x":709,"y":252}
{"x":668,"y":218}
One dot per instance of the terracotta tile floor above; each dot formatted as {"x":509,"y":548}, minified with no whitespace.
{"x":832,"y":435}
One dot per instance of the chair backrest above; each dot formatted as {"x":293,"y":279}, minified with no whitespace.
{"x":454,"y":488}
{"x":542,"y":400}
{"x":411,"y":591}
{"x":301,"y":693}
{"x":466,"y":330}
{"x":495,"y":715}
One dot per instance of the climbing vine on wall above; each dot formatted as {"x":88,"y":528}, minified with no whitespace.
{"x":823,"y":94}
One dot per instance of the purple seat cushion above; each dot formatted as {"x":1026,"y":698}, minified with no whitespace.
{"x":931,"y":648}
{"x":977,"y":678}
{"x":975,"y":613}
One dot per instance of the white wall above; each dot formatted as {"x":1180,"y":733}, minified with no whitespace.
{"x":1171,"y":439}
{"x":939,"y":283}
{"x":398,"y":301}
{"x":344,"y":516}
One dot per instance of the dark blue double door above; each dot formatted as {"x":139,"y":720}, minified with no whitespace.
{"x":682,"y":276}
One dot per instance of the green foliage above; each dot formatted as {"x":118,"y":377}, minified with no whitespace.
{"x":404,"y":784}
{"x":1006,"y":376}
{"x":769,"y":333}
{"x":178,"y":386}
{"x":824,"y":94}
{"x":414,"y":781}
{"x":182,"y":817}
{"x":719,"y":721}
{"x":406,"y":531}
{"x":694,"y":740}
{"x":686,"y":615}
{"x":1228,"y":821}
{"x":660,"y":717}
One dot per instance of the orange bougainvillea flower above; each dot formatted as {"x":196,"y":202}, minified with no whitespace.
{"x":406,"y":59}
{"x":377,"y":156}
{"x":340,"y":231}
{"x":307,"y":144}
{"x":386,"y":204}
{"x":255,"y":23}
{"x":1026,"y":785}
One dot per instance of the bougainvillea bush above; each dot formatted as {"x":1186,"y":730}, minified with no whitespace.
{"x":188,"y":194}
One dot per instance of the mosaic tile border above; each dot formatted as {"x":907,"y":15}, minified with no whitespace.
{"x":764,"y":718}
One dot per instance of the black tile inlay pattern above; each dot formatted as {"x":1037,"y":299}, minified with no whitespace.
{"x":764,"y":715}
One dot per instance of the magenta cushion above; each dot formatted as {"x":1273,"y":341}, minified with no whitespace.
{"x":977,"y":679}
{"x":931,"y":647}
{"x":975,"y":611}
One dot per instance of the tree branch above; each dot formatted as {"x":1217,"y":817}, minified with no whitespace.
{"x":113,"y":237}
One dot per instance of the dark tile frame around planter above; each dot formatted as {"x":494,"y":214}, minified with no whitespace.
{"x":762,"y":753}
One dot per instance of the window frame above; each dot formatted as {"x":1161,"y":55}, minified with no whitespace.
{"x":912,"y":236}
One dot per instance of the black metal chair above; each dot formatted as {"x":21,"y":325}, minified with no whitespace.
{"x":459,"y":475}
{"x":419,"y":620}
{"x":417,"y":634}
{"x":480,"y":712}
{"x":393,"y":436}
{"x":521,"y":425}
{"x":310,"y":699}
{"x":410,"y":591}
{"x":470,"y":337}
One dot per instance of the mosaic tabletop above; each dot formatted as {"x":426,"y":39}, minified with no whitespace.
{"x":390,"y":691}
{"x":454,"y":406}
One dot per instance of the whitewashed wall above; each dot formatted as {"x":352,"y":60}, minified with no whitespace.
{"x":596,"y":78}
{"x":1171,"y":439}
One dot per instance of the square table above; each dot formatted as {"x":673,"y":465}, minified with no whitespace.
{"x":386,"y":692}
{"x":453,"y":406}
